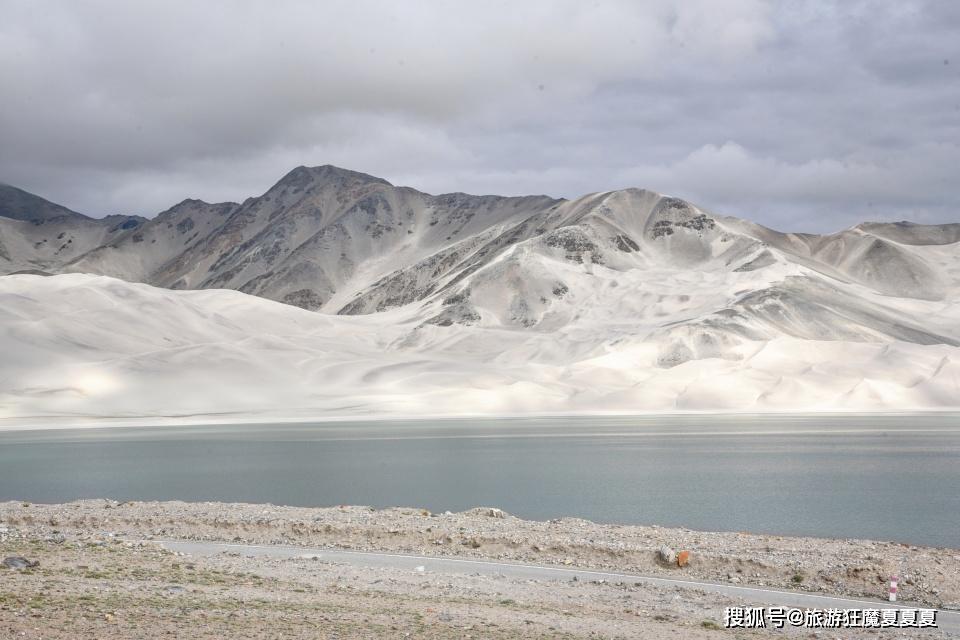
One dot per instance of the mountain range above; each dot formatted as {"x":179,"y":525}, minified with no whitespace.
{"x":624,"y":300}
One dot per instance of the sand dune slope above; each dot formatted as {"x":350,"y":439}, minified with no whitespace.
{"x":79,"y":347}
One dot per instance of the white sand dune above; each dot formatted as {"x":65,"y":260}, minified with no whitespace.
{"x":82,"y":348}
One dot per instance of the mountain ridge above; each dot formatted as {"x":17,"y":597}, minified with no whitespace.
{"x":17,"y":204}
{"x":410,"y":302}
{"x":954,"y":227}
{"x":339,"y":241}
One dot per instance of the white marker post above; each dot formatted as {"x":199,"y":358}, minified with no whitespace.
{"x":893,"y":588}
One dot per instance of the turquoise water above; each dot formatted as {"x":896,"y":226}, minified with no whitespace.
{"x":888,"y":478}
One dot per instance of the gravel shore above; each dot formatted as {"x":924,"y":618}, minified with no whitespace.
{"x":96,"y":579}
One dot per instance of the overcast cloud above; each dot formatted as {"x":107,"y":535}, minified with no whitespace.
{"x":803,"y":116}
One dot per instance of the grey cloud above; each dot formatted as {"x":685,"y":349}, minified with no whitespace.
{"x":808,"y":116}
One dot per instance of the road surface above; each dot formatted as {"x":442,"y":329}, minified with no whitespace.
{"x":948,"y":621}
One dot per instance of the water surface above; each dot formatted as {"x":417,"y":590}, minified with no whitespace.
{"x":879,"y":477}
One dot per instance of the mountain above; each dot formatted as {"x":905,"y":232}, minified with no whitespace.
{"x":622,"y":300}
{"x":316,"y":239}
{"x":17,"y":204}
{"x":37,"y":235}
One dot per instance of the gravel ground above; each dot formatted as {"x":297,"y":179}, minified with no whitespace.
{"x":93,"y":582}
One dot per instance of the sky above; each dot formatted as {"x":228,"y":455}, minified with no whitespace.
{"x":804,"y":116}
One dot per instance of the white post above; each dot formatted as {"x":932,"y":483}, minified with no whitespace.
{"x":893,"y":588}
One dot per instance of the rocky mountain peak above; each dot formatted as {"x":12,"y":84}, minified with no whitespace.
{"x":303,"y":176}
{"x":20,"y":205}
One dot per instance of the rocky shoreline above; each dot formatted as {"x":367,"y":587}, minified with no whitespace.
{"x":98,"y":567}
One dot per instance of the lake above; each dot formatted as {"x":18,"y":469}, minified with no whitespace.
{"x":880,"y":477}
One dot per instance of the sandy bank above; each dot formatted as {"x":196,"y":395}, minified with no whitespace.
{"x":88,"y":573}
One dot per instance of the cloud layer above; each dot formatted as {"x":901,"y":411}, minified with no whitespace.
{"x":806,"y":117}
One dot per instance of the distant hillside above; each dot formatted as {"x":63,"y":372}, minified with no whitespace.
{"x":17,"y":204}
